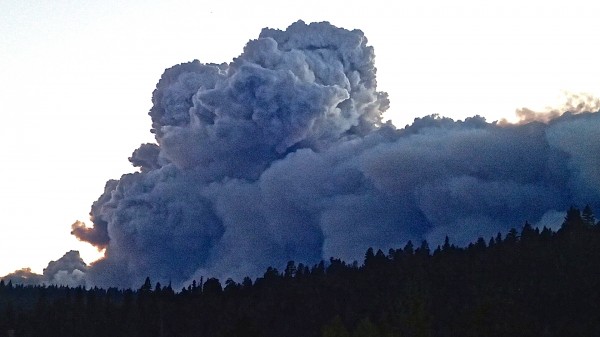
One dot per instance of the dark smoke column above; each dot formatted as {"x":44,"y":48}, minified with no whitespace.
{"x":282,"y":155}
{"x":197,"y":204}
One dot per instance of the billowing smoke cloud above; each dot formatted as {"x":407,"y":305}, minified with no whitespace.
{"x":69,"y":270}
{"x":282,"y":154}
{"x":573,"y":103}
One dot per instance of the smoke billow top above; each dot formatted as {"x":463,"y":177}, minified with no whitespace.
{"x":282,"y":155}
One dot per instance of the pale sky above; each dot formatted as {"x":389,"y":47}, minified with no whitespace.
{"x":76,"y":79}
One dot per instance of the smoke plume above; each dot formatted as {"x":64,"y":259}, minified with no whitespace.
{"x":282,"y":155}
{"x":69,"y":270}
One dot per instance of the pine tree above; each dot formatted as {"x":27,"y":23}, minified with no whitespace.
{"x":588,"y":216}
{"x":528,"y":232}
{"x":369,"y":256}
{"x":446,"y":245}
{"x":409,"y":248}
{"x":424,"y":250}
{"x":146,"y":287}
{"x":573,"y":220}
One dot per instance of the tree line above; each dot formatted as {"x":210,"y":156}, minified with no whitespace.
{"x":527,"y":282}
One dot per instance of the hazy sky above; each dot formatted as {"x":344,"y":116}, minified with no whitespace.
{"x":76,"y":78}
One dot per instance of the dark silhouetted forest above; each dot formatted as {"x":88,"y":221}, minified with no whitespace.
{"x":526,"y":282}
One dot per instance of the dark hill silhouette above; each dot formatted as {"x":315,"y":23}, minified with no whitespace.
{"x":528,"y":282}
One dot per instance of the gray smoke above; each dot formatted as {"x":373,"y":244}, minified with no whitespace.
{"x":69,"y":270}
{"x":574,"y":103}
{"x":282,"y":155}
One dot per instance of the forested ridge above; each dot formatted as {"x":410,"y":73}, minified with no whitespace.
{"x":527,"y":282}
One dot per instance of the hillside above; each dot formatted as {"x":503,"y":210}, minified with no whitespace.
{"x":527,"y":282}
